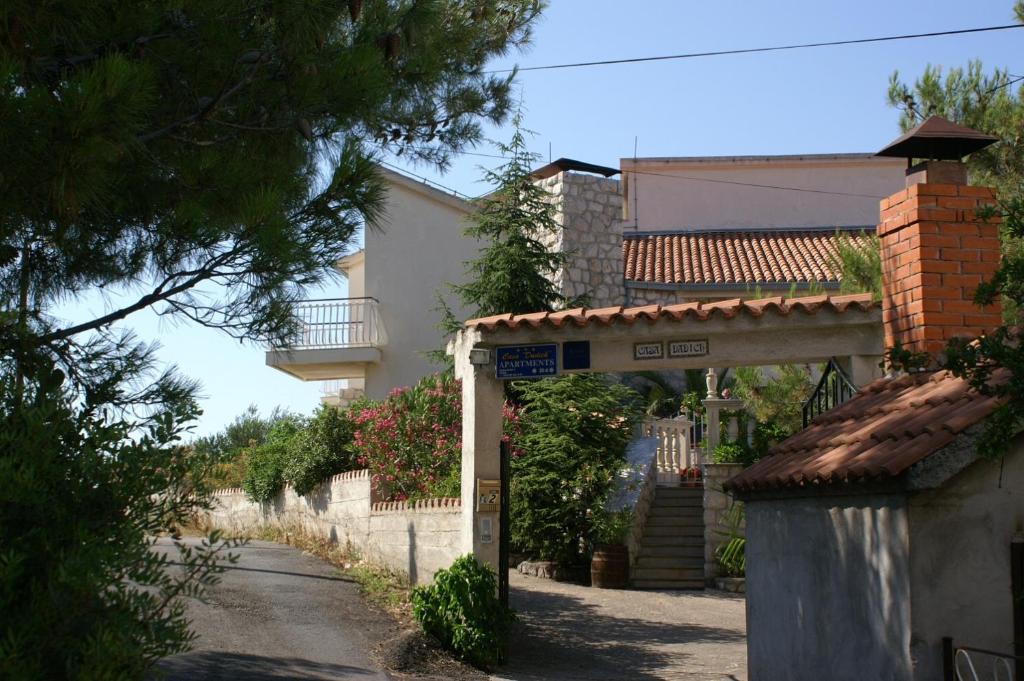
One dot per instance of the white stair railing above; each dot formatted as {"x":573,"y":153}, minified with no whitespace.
{"x":676,"y":453}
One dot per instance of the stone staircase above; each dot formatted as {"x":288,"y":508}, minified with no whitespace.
{"x":671,"y":552}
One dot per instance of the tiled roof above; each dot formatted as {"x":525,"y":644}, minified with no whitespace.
{"x":726,"y":309}
{"x":880,"y":433}
{"x":734,"y":257}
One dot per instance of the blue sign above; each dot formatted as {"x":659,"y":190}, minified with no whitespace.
{"x":527,"y":361}
{"x":575,"y":355}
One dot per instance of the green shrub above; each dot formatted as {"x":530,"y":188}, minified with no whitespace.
{"x":731,"y":556}
{"x":230,"y":447}
{"x":461,"y":610}
{"x":732,"y":452}
{"x":264,"y":475}
{"x":612,"y":527}
{"x":778,"y":400}
{"x":575,"y":430}
{"x":82,"y":496}
{"x":320,"y":450}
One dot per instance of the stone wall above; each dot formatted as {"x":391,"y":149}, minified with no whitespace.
{"x":716,"y":505}
{"x":416,"y":539}
{"x":589,"y":210}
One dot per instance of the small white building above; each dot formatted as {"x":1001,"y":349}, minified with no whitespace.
{"x":880,"y":543}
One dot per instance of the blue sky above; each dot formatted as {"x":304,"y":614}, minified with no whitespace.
{"x":808,"y":101}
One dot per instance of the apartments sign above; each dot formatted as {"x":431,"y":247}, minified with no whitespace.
{"x":526,"y":361}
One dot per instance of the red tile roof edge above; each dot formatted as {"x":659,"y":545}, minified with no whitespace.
{"x":879,"y":434}
{"x":736,"y":257}
{"x":727,"y":309}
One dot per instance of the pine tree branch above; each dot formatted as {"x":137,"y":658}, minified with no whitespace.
{"x":199,"y":115}
{"x":159,"y":294}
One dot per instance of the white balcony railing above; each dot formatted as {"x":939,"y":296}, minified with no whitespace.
{"x":339,"y":323}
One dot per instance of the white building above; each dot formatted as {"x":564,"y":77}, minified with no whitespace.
{"x":671,"y":229}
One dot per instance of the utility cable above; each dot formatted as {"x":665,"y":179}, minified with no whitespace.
{"x":753,"y":50}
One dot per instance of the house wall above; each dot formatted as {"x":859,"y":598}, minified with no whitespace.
{"x":960,"y":536}
{"x":659,"y":195}
{"x":589,"y":210}
{"x":356,"y":276}
{"x":414,"y":250}
{"x":415,"y":539}
{"x":828,"y":594}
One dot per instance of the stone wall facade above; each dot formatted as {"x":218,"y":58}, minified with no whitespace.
{"x":416,"y":539}
{"x":716,"y":504}
{"x":589,"y":211}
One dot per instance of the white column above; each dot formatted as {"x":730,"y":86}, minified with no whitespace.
{"x":862,"y":369}
{"x":482,"y":397}
{"x":712,"y":412}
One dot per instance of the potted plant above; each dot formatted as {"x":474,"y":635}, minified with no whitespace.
{"x":609,"y":564}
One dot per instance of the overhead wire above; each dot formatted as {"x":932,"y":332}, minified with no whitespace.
{"x":1013,"y":80}
{"x":755,"y":50}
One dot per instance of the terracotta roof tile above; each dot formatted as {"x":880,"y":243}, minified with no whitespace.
{"x":733,"y":257}
{"x":880,"y":433}
{"x":699,"y":311}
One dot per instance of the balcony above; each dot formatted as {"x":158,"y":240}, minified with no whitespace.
{"x":336,"y":340}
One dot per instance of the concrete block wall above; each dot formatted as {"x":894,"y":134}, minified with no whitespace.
{"x":716,"y":504}
{"x":415,"y":539}
{"x":418,"y":538}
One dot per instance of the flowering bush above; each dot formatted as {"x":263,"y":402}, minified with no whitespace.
{"x":412,"y":441}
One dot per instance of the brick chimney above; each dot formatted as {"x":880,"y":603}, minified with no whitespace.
{"x":935,"y":252}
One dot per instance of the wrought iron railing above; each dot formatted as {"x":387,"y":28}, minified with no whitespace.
{"x":834,"y":388}
{"x":344,"y":323}
{"x":965,"y":663}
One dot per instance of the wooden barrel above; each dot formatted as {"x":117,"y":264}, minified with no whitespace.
{"x":609,"y":568}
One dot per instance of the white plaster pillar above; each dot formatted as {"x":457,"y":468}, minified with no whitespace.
{"x":712,"y":411}
{"x":862,"y":369}
{"x":482,"y":398}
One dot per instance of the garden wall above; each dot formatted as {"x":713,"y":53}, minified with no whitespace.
{"x":716,"y":504}
{"x":414,"y":538}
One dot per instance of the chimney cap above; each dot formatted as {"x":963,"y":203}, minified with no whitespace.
{"x":938,"y":139}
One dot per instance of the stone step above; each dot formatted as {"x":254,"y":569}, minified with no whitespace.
{"x":667,"y":584}
{"x":676,"y":517}
{"x":696,"y":573}
{"x":693,"y":549}
{"x":651,"y":541}
{"x":666,"y":492}
{"x":670,"y":505}
{"x":686,"y":530}
{"x":669,"y":562}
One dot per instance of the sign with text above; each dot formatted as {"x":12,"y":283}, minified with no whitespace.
{"x":648,"y":350}
{"x":488,"y":495}
{"x":688,"y":348}
{"x":527,"y":361}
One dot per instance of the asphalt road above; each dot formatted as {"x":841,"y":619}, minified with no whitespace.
{"x":279,"y":614}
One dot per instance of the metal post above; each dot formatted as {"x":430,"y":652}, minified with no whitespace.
{"x":948,"y":660}
{"x":1017,"y":591}
{"x":503,"y":525}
